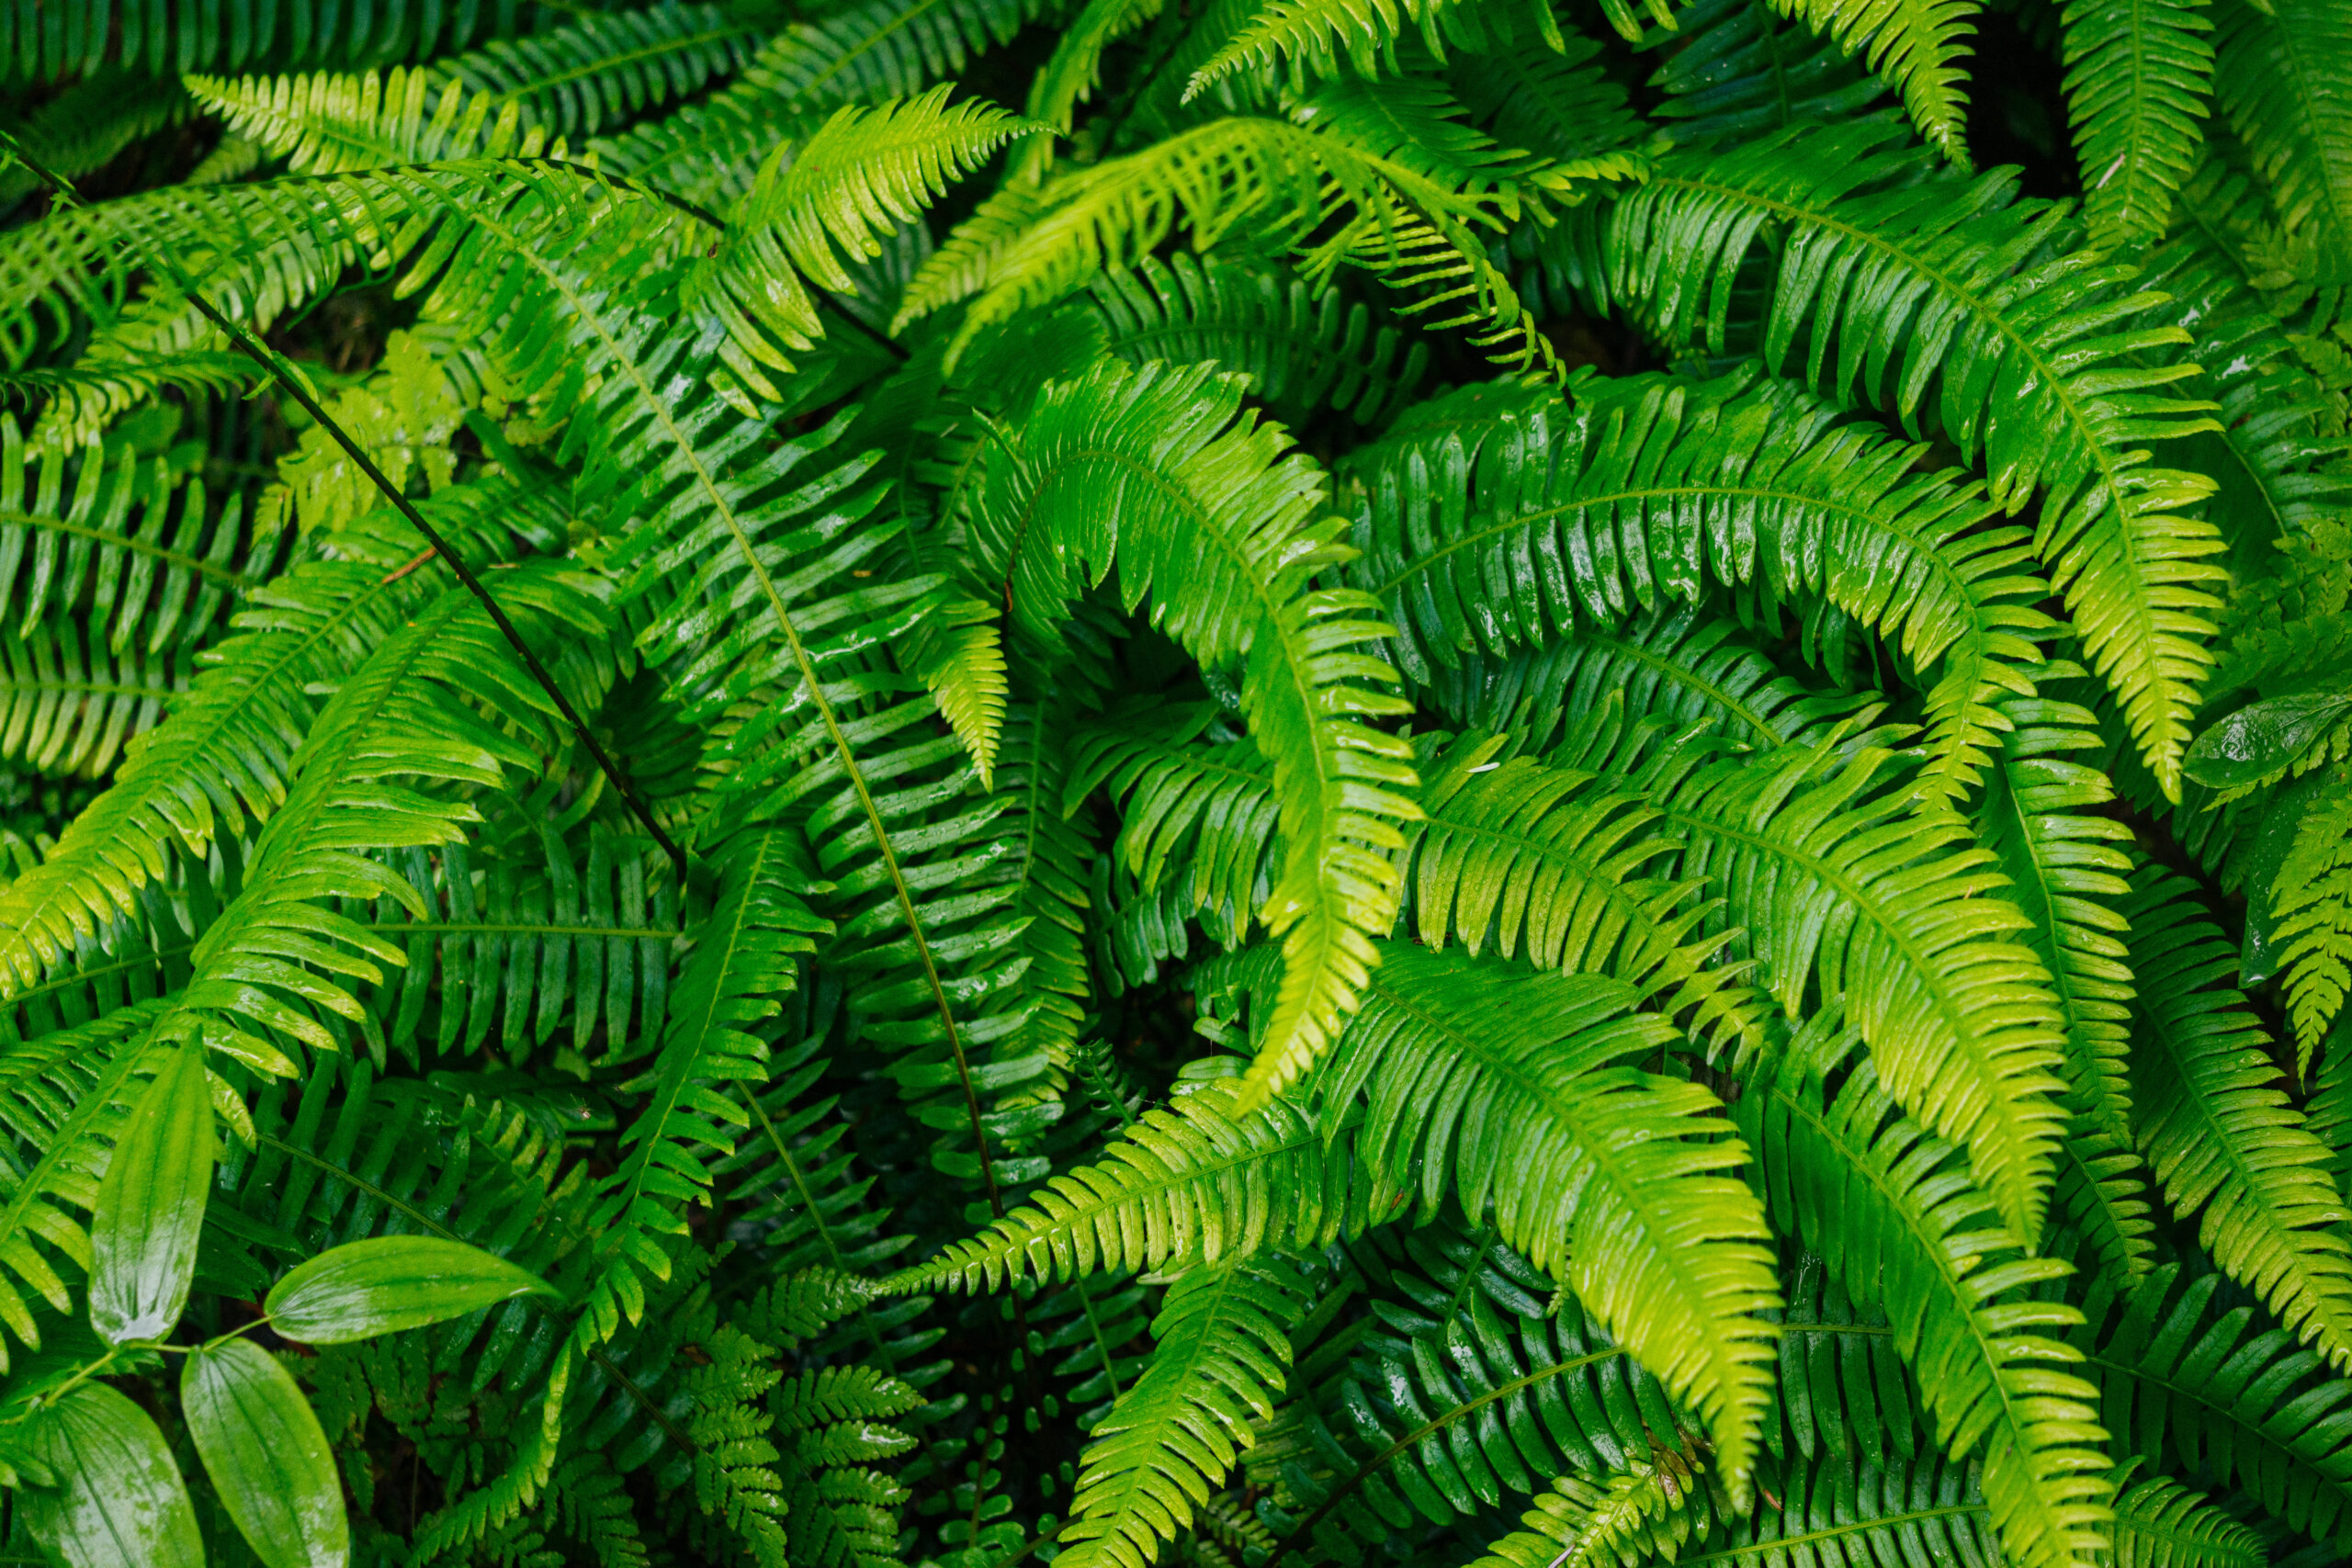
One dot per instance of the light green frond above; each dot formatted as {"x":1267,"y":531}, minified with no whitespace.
{"x":1149,"y":470}
{"x":1200,"y":1180}
{"x":1896,"y":282}
{"x":2227,"y":1147}
{"x":862,"y":175}
{"x":1884,"y":1204}
{"x":1832,"y":883}
{"x":331,"y":123}
{"x":1916,"y":47}
{"x":1218,"y":1360}
{"x":1515,"y":1088}
{"x":2137,"y":75}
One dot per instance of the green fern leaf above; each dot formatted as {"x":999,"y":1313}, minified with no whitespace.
{"x":1514,"y":1085}
{"x":1217,"y":1366}
{"x":2226,"y":1146}
{"x":2279,"y":76}
{"x":1211,"y":519}
{"x":1874,"y":1195}
{"x":1893,"y":281}
{"x":2138,"y":72}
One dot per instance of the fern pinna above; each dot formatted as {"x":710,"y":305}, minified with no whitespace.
{"x":1486,"y":783}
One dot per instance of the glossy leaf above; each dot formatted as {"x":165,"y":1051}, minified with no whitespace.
{"x":150,"y":1210}
{"x":2262,"y":738}
{"x":381,"y":1286}
{"x":267,"y":1457}
{"x":121,"y":1502}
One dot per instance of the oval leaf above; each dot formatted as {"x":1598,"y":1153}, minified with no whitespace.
{"x":266,"y":1454}
{"x":122,"y":1504}
{"x":390,"y":1284}
{"x":2262,"y":738}
{"x":149,"y":1207}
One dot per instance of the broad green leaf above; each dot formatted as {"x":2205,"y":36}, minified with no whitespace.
{"x":150,"y":1207}
{"x":2262,"y":738}
{"x":391,"y":1282}
{"x":266,"y":1454}
{"x":122,"y":1504}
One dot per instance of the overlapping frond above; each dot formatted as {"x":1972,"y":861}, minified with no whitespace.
{"x":1200,"y":1180}
{"x":1149,"y":471}
{"x":1220,"y":1355}
{"x":1515,"y":1086}
{"x":2226,"y":1144}
{"x":1647,"y":492}
{"x":1880,"y":1199}
{"x":1927,"y":293}
{"x":2137,"y":75}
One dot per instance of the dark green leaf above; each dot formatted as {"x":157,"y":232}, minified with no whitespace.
{"x":121,"y":1503}
{"x":2263,"y":738}
{"x":266,"y":1455}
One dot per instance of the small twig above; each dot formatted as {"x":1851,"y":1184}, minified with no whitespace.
{"x":284,"y":373}
{"x":400,"y":572}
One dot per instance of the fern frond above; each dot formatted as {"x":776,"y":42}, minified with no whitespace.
{"x":1211,"y":519}
{"x":1513,"y":1087}
{"x":2161,"y":1524}
{"x":2138,"y":74}
{"x":1897,"y":913}
{"x":223,"y":754}
{"x":2067,"y":877}
{"x":1218,"y":1358}
{"x":1735,"y":71}
{"x":1302,"y":347}
{"x":68,"y":708}
{"x":332,"y":123}
{"x":1199,"y":1180}
{"x":1895,"y":283}
{"x":2279,"y":75}
{"x":2192,"y":1381}
{"x":1650,"y":489}
{"x":608,"y":67}
{"x":1914,"y":46}
{"x":1877,"y":1197}
{"x":2227,"y":1147}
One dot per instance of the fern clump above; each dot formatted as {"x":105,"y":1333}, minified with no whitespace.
{"x":1496,"y":783}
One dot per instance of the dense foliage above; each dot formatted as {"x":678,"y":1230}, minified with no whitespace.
{"x":1440,"y":782}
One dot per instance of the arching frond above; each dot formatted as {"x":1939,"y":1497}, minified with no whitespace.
{"x":1518,"y":1085}
{"x":1174,"y":1435}
{"x":1896,"y":285}
{"x":1210,"y":519}
{"x":1302,"y":347}
{"x":2226,"y":1145}
{"x":1877,"y":1198}
{"x":1200,"y":1180}
{"x":606,"y":67}
{"x":1648,"y":491}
